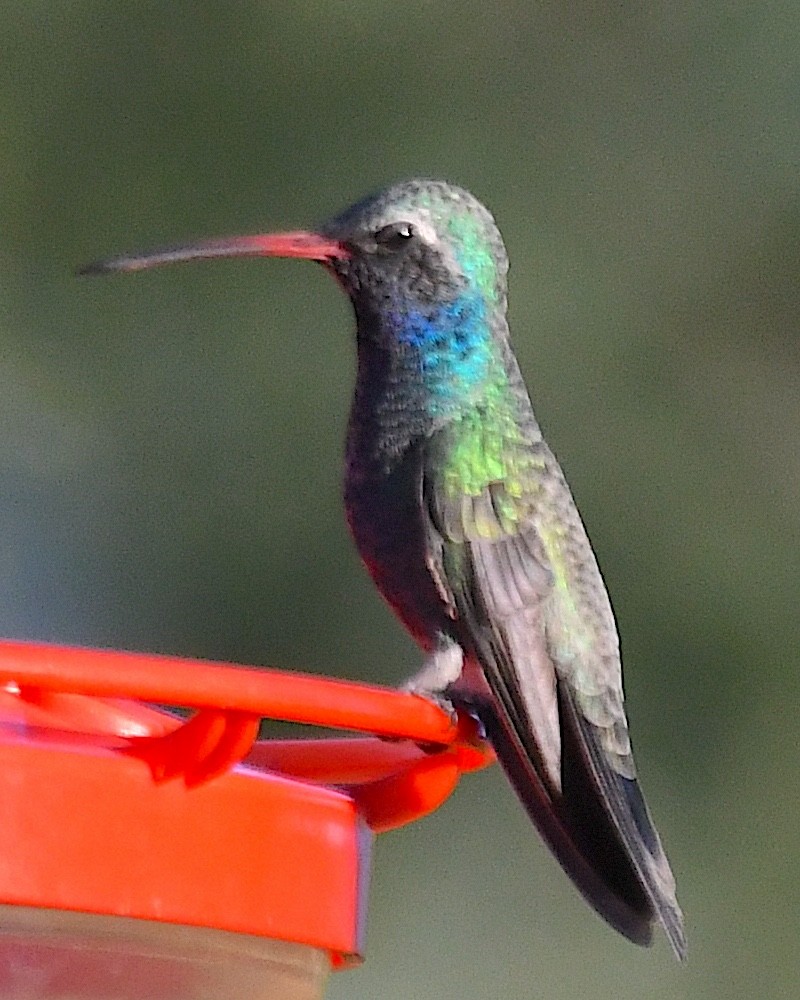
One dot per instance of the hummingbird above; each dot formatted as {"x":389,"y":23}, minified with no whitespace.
{"x":466,"y":524}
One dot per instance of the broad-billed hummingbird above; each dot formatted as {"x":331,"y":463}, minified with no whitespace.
{"x":466,"y":524}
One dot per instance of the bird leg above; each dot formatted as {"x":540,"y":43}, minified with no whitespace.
{"x":438,"y":680}
{"x":440,"y":671}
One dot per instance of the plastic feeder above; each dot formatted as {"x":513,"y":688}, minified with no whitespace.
{"x":148,"y":857}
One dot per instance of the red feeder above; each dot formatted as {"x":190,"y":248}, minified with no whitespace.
{"x":143,"y":857}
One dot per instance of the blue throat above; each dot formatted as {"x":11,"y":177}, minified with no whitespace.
{"x":448,"y":348}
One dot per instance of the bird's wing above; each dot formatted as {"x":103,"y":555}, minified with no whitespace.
{"x":511,"y":558}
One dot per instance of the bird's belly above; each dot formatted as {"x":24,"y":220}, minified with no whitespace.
{"x":383,"y":512}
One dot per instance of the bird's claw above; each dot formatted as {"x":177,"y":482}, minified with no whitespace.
{"x":438,"y":698}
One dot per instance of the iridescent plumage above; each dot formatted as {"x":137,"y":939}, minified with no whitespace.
{"x":449,"y":480}
{"x":466,"y":523}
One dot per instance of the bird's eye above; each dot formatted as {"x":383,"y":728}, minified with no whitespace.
{"x":395,"y":236}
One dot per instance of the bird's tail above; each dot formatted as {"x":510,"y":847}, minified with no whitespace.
{"x":580,"y":833}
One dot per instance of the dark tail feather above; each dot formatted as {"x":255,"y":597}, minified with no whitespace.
{"x":611,"y":823}
{"x":581,"y":839}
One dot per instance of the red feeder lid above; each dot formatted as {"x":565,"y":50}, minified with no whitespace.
{"x":113,"y":807}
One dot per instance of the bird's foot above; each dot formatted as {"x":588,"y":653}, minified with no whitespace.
{"x":441,"y":670}
{"x":438,"y":673}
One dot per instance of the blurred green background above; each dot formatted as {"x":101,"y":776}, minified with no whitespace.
{"x":171,"y":442}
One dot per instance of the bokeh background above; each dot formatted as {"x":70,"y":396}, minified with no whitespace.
{"x":170,"y":443}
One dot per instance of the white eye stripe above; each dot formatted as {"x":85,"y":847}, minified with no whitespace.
{"x":425,"y":231}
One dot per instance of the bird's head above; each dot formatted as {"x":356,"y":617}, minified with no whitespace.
{"x":419,"y":242}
